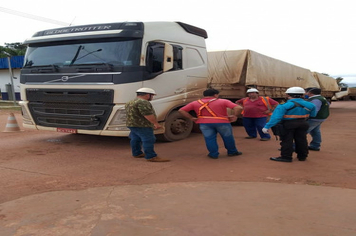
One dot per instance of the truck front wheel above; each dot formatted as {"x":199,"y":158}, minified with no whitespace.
{"x":177,"y":127}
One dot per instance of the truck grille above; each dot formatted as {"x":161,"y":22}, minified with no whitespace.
{"x":75,"y":109}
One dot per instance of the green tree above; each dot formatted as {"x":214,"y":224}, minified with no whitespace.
{"x":338,"y":81}
{"x":14,"y":49}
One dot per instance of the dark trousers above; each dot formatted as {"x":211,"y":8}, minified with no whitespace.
{"x":254,"y":125}
{"x":294,"y":130}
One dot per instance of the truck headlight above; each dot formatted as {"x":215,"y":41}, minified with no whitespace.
{"x":26,"y":118}
{"x":119,"y":117}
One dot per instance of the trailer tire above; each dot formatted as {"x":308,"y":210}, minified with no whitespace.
{"x":177,"y":127}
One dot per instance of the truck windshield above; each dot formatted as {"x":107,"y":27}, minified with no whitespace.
{"x":117,"y":53}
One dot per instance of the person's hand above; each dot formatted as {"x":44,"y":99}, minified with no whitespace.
{"x":157,"y":126}
{"x":194,"y":119}
{"x":264,"y":130}
{"x":232,"y":118}
{"x":267,"y":112}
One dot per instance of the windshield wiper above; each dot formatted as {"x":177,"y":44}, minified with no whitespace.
{"x":76,"y":55}
{"x":44,"y":68}
{"x":99,"y":50}
{"x":95,"y":64}
{"x":76,"y":58}
{"x":92,"y":67}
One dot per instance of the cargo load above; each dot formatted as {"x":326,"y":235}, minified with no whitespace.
{"x":233,"y":72}
{"x":327,"y":84}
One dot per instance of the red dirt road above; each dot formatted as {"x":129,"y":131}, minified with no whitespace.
{"x":38,"y":161}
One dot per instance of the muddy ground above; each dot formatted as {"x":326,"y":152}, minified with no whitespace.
{"x":40,"y":161}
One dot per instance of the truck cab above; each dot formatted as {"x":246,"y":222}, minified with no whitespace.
{"x":77,"y":79}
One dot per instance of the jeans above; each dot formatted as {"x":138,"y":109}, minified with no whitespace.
{"x":142,"y":137}
{"x":210,"y":132}
{"x":314,"y":131}
{"x":254,"y":125}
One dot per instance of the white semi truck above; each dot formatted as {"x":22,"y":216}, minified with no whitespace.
{"x":78,"y":79}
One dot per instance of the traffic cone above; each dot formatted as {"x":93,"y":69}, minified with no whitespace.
{"x":11,"y":125}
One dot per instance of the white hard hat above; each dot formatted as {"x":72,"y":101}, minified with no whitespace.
{"x":146,"y":90}
{"x":252,"y":90}
{"x":295,"y":90}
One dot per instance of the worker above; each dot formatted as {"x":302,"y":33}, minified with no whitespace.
{"x":256,"y":110}
{"x":142,"y":120}
{"x":212,"y":118}
{"x":293,"y":117}
{"x":313,"y":95}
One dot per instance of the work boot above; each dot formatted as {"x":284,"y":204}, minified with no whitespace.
{"x":140,"y":156}
{"x":235,"y":154}
{"x":212,"y":157}
{"x":313,"y":148}
{"x":281,"y":159}
{"x":158,"y":159}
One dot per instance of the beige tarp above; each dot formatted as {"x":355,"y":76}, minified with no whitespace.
{"x":247,"y":67}
{"x":327,"y":83}
{"x":226,"y":66}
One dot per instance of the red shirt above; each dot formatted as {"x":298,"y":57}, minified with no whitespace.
{"x":219,"y":107}
{"x":255,"y":109}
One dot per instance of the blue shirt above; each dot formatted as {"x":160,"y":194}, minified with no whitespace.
{"x":284,"y":111}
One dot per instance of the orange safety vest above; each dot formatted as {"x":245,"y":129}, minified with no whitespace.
{"x":265,"y":100}
{"x":296,"y":116}
{"x":206,"y":106}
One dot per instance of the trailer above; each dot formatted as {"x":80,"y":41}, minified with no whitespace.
{"x":233,"y":72}
{"x":328,"y":85}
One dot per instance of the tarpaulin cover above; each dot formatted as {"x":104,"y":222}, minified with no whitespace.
{"x":247,"y":67}
{"x":327,"y":83}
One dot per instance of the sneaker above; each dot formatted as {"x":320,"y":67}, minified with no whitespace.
{"x":158,"y":159}
{"x":313,"y":149}
{"x":235,"y":154}
{"x":281,"y":159}
{"x":249,"y":137}
{"x":264,"y":139}
{"x":140,"y":156}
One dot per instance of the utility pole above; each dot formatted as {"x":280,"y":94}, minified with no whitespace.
{"x":11,"y":77}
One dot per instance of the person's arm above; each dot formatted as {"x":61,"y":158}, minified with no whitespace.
{"x":236,"y":112}
{"x":186,"y":114}
{"x":240,"y":102}
{"x":153,"y":120}
{"x":317,"y":104}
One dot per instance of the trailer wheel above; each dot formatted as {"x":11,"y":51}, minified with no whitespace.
{"x":177,"y":127}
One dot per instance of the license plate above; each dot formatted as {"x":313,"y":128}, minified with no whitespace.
{"x":65,"y":130}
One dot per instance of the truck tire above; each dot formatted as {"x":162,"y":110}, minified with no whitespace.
{"x":177,"y":127}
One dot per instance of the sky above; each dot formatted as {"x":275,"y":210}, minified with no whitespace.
{"x":319,"y":35}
